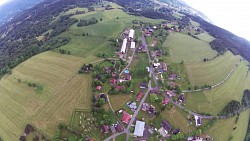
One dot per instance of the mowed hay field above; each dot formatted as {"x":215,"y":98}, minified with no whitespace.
{"x":185,"y":48}
{"x":63,"y":90}
{"x":119,"y":100}
{"x":223,"y":129}
{"x":213,"y":101}
{"x":211,"y":72}
{"x":100,"y":33}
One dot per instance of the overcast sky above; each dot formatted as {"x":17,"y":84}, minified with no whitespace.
{"x":233,"y":15}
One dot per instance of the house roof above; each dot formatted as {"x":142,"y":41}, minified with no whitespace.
{"x":119,"y":128}
{"x":118,"y":88}
{"x":170,"y":93}
{"x":165,"y":101}
{"x":113,"y":81}
{"x":166,"y":125}
{"x":143,"y":85}
{"x":176,"y":131}
{"x":132,"y":45}
{"x":112,"y":128}
{"x":98,"y":88}
{"x":105,"y":129}
{"x":131,"y":33}
{"x":126,"y":117}
{"x":139,"y":96}
{"x":145,"y":106}
{"x":163,"y":132}
{"x":128,"y":77}
{"x":181,"y":97}
{"x":197,"y":120}
{"x":139,"y":128}
{"x":124,"y":45}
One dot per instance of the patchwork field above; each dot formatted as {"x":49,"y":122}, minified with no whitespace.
{"x":211,"y":72}
{"x":213,"y":101}
{"x":61,"y":91}
{"x":185,"y":48}
{"x":226,"y":126}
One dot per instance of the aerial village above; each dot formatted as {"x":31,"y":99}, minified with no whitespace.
{"x":156,"y":92}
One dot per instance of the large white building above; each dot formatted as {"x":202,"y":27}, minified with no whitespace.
{"x":124,"y":46}
{"x":132,"y":46}
{"x":131,"y":33}
{"x":139,"y":128}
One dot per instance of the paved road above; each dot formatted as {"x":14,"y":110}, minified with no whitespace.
{"x":218,"y":84}
{"x":137,"y":110}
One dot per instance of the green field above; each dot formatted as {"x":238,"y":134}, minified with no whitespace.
{"x":205,"y":37}
{"x":211,"y":72}
{"x":100,"y":33}
{"x":185,"y":48}
{"x":119,"y":100}
{"x":213,"y":101}
{"x":63,"y":90}
{"x":223,"y":129}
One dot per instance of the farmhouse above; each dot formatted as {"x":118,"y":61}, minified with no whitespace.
{"x":105,"y":129}
{"x":131,"y":33}
{"x":112,"y":128}
{"x":113,"y":81}
{"x":145,"y":107}
{"x":166,"y":125}
{"x":197,"y":120}
{"x":164,"y":66}
{"x":124,"y":46}
{"x":132,"y":46}
{"x":139,"y":96}
{"x":118,"y":127}
{"x":126,"y":117}
{"x":170,"y":93}
{"x":165,"y":101}
{"x":143,"y":85}
{"x":139,"y":128}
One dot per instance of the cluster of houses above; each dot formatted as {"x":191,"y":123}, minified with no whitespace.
{"x":106,"y":129}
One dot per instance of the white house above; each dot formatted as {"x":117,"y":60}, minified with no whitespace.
{"x":197,"y":120}
{"x":132,"y":45}
{"x":124,"y":46}
{"x":139,"y":128}
{"x":131,"y":33}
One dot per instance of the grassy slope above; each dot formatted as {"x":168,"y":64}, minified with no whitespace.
{"x":211,"y":72}
{"x":226,"y":127}
{"x":216,"y":99}
{"x":185,"y":48}
{"x":63,"y":91}
{"x":99,"y":33}
{"x":206,"y":37}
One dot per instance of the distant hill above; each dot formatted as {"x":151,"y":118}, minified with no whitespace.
{"x":13,"y":7}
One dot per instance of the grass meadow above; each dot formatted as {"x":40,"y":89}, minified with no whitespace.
{"x":211,"y":72}
{"x":223,"y":129}
{"x":213,"y":101}
{"x":185,"y":48}
{"x":63,"y":90}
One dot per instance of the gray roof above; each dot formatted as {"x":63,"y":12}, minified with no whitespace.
{"x":139,"y":128}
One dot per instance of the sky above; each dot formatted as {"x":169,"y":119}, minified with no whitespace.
{"x":233,"y":15}
{"x":2,"y":2}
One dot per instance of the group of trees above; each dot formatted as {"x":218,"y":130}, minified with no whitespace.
{"x":87,"y":22}
{"x":232,"y":108}
{"x":85,"y":68}
{"x":62,"y":51}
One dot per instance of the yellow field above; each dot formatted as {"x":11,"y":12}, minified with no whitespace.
{"x":211,"y":72}
{"x":63,"y":91}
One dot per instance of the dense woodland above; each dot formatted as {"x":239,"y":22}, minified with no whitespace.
{"x":18,"y":38}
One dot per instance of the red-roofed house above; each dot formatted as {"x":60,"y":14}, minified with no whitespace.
{"x":98,"y":88}
{"x":165,"y":101}
{"x":139,"y":96}
{"x":126,"y":117}
{"x":113,"y":81}
{"x":118,"y":88}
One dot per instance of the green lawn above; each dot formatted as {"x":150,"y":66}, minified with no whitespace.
{"x":205,"y":37}
{"x":223,"y":129}
{"x":121,"y":137}
{"x":211,"y":72}
{"x":213,"y":101}
{"x":185,"y":48}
